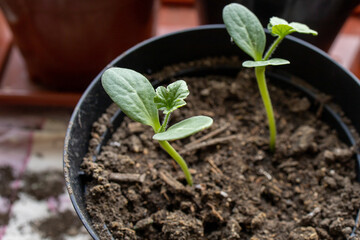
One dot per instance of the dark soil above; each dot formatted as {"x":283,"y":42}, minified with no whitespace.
{"x":6,"y":179}
{"x":44,"y":185}
{"x":7,"y":193}
{"x":59,"y":225}
{"x":305,"y":190}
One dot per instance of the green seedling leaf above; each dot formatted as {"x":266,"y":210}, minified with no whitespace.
{"x":171,"y":98}
{"x":278,"y":21}
{"x":302,"y":28}
{"x":280,"y":27}
{"x":245,"y":29}
{"x":184,"y":128}
{"x":273,"y":61}
{"x":133,"y":93}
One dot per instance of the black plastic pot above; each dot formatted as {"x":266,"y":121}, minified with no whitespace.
{"x":307,"y":62}
{"x":324,"y":16}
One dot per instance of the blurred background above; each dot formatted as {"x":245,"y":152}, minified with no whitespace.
{"x":50,"y":50}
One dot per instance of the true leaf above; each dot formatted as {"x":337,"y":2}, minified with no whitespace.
{"x":170,"y":98}
{"x":133,"y":93}
{"x":184,"y":128}
{"x":278,"y":21}
{"x":245,"y":29}
{"x":280,"y":27}
{"x":273,"y":61}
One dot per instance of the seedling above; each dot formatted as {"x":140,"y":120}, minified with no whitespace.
{"x":247,"y":32}
{"x":136,"y":97}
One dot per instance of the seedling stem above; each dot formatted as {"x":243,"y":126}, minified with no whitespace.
{"x":261,"y":81}
{"x":176,"y":156}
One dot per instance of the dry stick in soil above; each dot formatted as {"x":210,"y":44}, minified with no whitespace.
{"x":208,"y":136}
{"x":136,"y":97}
{"x":211,"y":142}
{"x":220,"y":140}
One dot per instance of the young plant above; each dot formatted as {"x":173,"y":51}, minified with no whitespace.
{"x":247,"y":32}
{"x":136,"y":97}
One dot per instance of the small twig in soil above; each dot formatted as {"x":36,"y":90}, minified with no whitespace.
{"x":214,"y":167}
{"x":172,"y":182}
{"x":266,"y":174}
{"x":210,"y":143}
{"x":174,"y":165}
{"x":215,"y":212}
{"x":208,"y":136}
{"x":126,"y":177}
{"x":163,"y":192}
{"x":323,"y":99}
{"x":127,"y":230}
{"x":288,"y":164}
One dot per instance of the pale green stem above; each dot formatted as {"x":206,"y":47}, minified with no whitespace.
{"x":165,"y":123}
{"x":272,"y":48}
{"x":260,"y":76}
{"x":176,"y":156}
{"x":156,"y":126}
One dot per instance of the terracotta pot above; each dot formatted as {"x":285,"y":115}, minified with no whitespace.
{"x":324,"y":16}
{"x":66,"y":43}
{"x":319,"y":71}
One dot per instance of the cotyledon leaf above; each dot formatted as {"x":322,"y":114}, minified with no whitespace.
{"x":184,"y":128}
{"x":273,"y":61}
{"x":245,"y":29}
{"x":133,"y":93}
